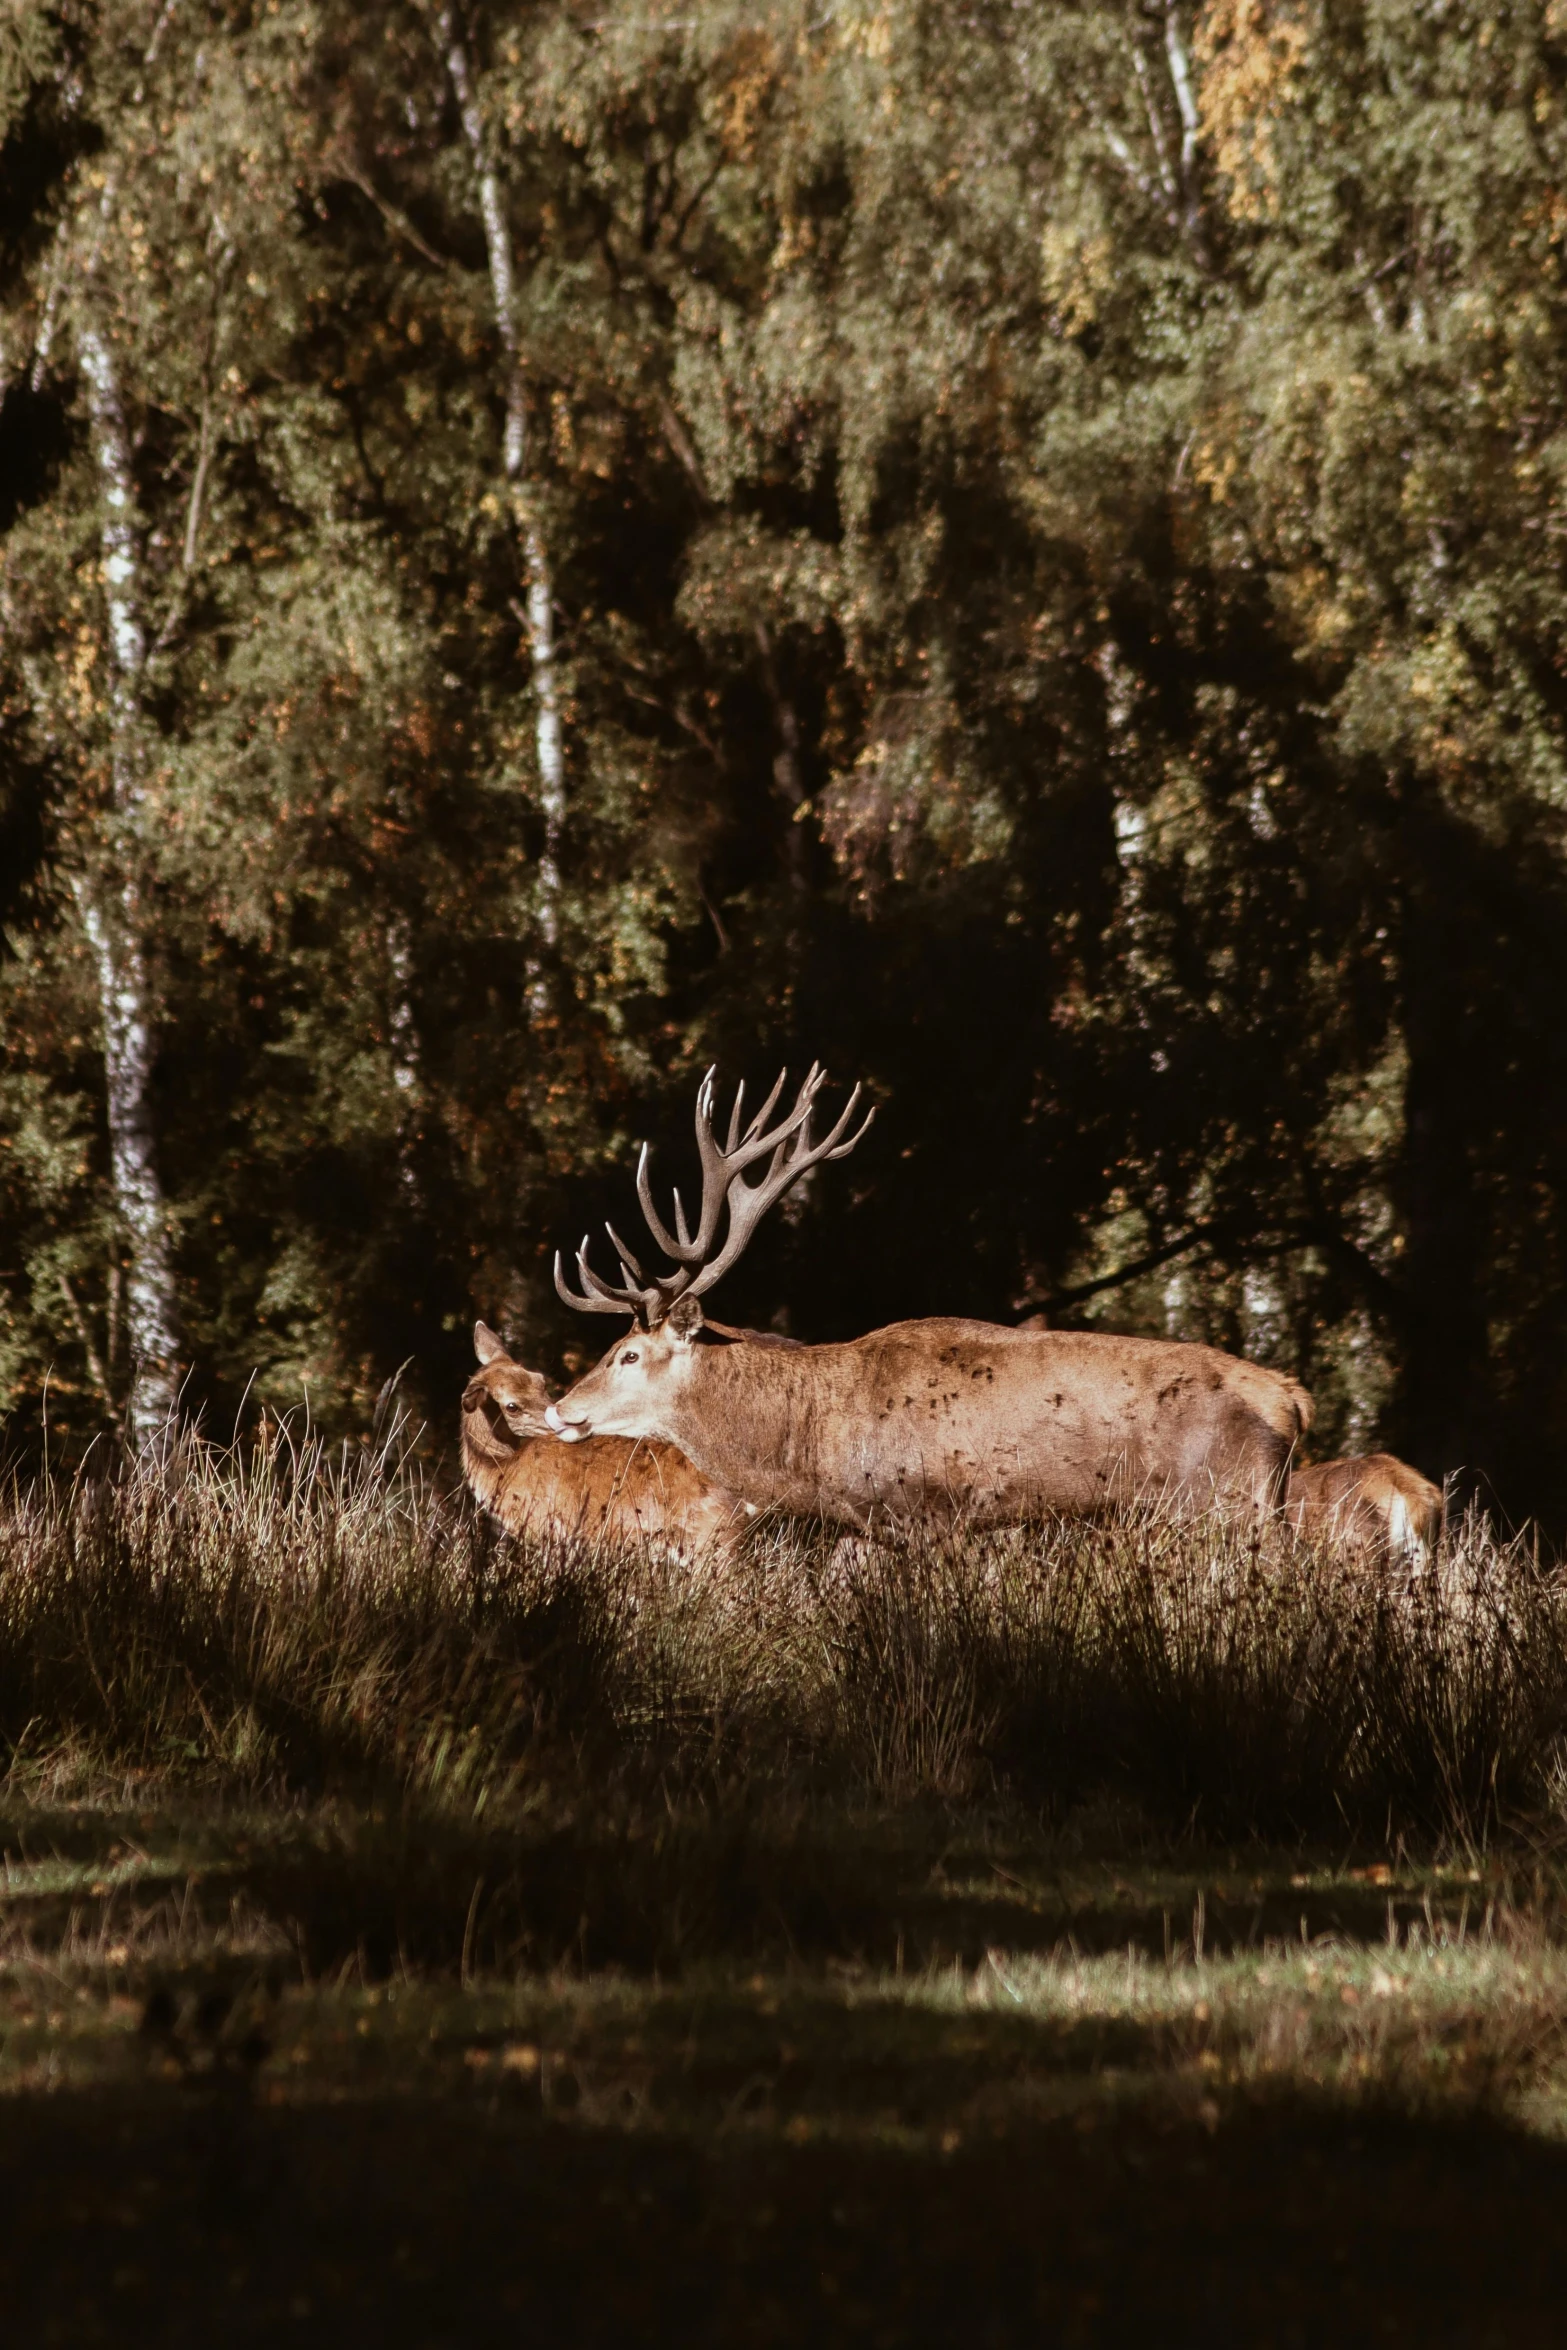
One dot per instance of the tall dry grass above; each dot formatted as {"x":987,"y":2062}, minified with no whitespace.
{"x":282,"y":1619}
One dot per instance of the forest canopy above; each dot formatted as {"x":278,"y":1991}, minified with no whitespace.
{"x":1016,"y":548}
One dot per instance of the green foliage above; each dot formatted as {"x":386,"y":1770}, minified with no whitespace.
{"x":1056,"y":543}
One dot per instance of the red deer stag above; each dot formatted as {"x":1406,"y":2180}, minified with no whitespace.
{"x":1370,"y":1502}
{"x":624,"y":1494}
{"x":939,"y":1416}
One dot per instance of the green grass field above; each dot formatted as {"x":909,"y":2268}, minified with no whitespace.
{"x":1047,"y":1937}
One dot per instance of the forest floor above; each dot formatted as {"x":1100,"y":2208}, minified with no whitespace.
{"x":405,"y":1939}
{"x":987,"y":2090}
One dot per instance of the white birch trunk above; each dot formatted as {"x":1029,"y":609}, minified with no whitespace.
{"x":111,"y":916}
{"x":548,"y":741}
{"x":133,"y":1161}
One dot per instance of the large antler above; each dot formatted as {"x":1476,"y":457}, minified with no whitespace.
{"x":791,"y":1152}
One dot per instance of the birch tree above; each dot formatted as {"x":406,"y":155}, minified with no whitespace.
{"x":109,"y":887}
{"x":539,"y":613}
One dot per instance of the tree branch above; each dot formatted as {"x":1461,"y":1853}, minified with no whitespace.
{"x":220,"y":270}
{"x":672,"y":425}
{"x":1128,"y":161}
{"x":1318,"y":1231}
{"x":1155,"y":125}
{"x":206,"y":441}
{"x":1148,"y":1263}
{"x":705,"y":188}
{"x":1185,"y":98}
{"x":347,"y":167}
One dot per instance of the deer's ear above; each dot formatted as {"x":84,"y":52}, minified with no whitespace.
{"x":486,"y":1345}
{"x":684,"y":1318}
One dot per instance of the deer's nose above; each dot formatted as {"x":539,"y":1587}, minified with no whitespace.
{"x":572,"y":1430}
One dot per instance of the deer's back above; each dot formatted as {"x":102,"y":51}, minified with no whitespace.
{"x":615,"y":1489}
{"x":1100,"y":1371}
{"x":949,"y":1411}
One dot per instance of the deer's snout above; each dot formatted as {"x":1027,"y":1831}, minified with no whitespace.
{"x":572,"y":1431}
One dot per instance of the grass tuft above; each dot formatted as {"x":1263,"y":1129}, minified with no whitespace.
{"x":286,"y":1621}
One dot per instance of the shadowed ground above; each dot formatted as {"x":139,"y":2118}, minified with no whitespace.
{"x":198,"y":2215}
{"x":1295,"y":2138}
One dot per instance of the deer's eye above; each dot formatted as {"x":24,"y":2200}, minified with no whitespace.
{"x":630,"y":1355}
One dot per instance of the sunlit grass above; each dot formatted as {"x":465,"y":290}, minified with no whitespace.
{"x":1442,"y":2027}
{"x":288,"y":1619}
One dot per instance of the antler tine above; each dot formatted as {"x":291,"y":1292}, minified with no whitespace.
{"x":831,"y":1147}
{"x":628,"y":1263}
{"x":601,"y":1303}
{"x":844,"y":1148}
{"x":793,"y":1154}
{"x":734,"y":1117}
{"x":755,"y":1144}
{"x":679,"y":1244}
{"x":788,"y":1148}
{"x":678,"y":1249}
{"x":766,"y":1110}
{"x":715,"y":1167}
{"x":605,"y":1291}
{"x":649,"y":1301}
{"x":720,"y":1163}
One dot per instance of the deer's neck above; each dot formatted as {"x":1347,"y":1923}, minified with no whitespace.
{"x":487,"y":1468}
{"x":751,"y":1418}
